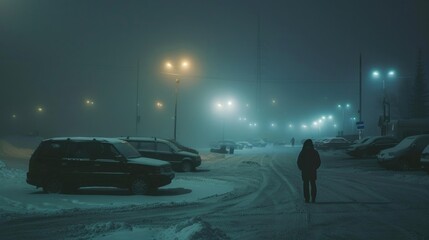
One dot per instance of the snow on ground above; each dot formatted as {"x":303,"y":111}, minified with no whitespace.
{"x":357,"y":200}
{"x":192,"y":229}
{"x":19,"y":198}
{"x":15,"y":192}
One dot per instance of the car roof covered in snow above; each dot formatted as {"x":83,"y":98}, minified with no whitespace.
{"x":144,"y":139}
{"x":85,"y":139}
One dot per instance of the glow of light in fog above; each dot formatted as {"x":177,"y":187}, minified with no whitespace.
{"x":89,"y":102}
{"x":159,"y":104}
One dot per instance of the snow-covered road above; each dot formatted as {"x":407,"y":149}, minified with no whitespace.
{"x":253,"y":194}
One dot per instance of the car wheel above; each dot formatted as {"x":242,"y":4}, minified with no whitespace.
{"x":186,"y":166}
{"x":53,"y":186}
{"x":139,"y":186}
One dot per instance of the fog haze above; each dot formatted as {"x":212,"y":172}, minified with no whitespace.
{"x":58,"y":54}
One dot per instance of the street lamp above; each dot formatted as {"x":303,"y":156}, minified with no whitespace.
{"x":89,"y":102}
{"x":222,"y":107}
{"x":176,"y":70}
{"x":353,"y":122}
{"x":386,"y":105}
{"x":343,"y":107}
{"x":159,"y":105}
{"x":39,"y":113}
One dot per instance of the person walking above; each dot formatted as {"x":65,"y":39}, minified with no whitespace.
{"x":292,"y":141}
{"x":308,"y":162}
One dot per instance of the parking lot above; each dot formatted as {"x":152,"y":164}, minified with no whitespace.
{"x":247,"y":195}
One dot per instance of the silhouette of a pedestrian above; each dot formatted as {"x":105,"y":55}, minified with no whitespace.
{"x":292,"y":142}
{"x":308,"y":162}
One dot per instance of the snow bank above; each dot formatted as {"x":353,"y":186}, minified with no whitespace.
{"x":192,"y":229}
{"x":16,"y":151}
{"x":7,"y":149}
{"x":18,"y":197}
{"x":10,"y":174}
{"x":81,"y":231}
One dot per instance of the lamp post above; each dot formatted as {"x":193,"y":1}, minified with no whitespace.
{"x":383,"y":122}
{"x":175,"y":71}
{"x":346,"y":106}
{"x":39,"y":112}
{"x":353,"y":123}
{"x":89,"y":104}
{"x":222,"y":107}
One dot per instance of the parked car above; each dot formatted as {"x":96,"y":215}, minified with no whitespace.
{"x":371,"y":146}
{"x":245,"y":144}
{"x":424,"y":159}
{"x":361,"y":140}
{"x":405,"y":154}
{"x":182,"y":147}
{"x":225,"y":146}
{"x":65,"y":164}
{"x":162,"y":149}
{"x":228,"y":144}
{"x":257,"y":142}
{"x":333,"y":143}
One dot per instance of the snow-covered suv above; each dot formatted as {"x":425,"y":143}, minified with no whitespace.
{"x":65,"y":164}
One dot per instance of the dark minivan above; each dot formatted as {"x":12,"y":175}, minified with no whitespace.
{"x":65,"y":164}
{"x":162,"y":149}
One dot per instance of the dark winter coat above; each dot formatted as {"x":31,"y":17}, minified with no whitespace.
{"x":308,"y":161}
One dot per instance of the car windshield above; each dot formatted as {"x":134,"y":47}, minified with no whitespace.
{"x":127,"y":150}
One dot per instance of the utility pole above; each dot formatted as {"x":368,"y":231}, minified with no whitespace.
{"x":137,"y":98}
{"x":258,"y":70}
{"x":360,"y":94}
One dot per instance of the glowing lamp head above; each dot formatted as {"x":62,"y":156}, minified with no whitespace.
{"x":376,"y":74}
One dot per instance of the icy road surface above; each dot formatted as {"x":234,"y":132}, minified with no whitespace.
{"x":253,"y":194}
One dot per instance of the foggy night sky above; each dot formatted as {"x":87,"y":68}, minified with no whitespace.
{"x":56,"y":54}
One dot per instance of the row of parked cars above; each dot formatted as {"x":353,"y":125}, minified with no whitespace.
{"x":140,"y":164}
{"x":411,"y":152}
{"x":228,"y":146}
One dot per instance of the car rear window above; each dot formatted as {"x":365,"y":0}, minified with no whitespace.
{"x":147,"y":145}
{"x":79,"y":150}
{"x":51,"y":149}
{"x":126,"y":150}
{"x":163,"y":147}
